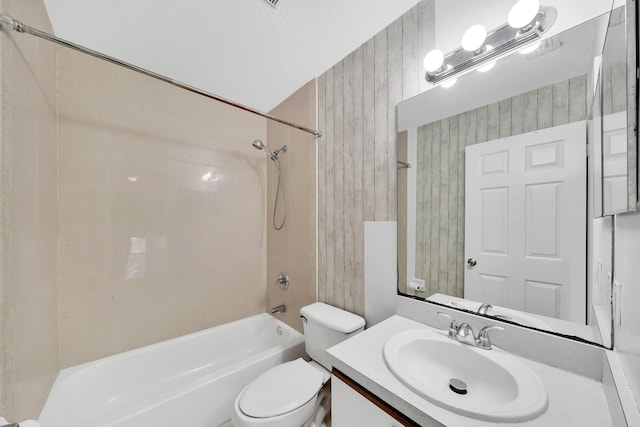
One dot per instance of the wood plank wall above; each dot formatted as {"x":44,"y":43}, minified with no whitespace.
{"x":357,"y":166}
{"x":441,"y":144}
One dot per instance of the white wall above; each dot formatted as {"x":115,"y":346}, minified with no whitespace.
{"x":627,"y":273}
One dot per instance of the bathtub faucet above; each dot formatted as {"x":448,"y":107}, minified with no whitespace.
{"x":279,"y":309}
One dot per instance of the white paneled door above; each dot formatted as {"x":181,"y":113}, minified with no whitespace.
{"x":525,"y":222}
{"x":614,"y":162}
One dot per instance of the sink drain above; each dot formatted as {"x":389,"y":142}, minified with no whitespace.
{"x":458,"y":386}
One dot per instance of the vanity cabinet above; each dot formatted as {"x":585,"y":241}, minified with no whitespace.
{"x":352,"y":405}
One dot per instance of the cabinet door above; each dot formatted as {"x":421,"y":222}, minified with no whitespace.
{"x":349,"y":408}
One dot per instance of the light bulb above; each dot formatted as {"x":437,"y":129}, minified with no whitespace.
{"x":523,"y":12}
{"x":473,"y":38}
{"x":433,"y":60}
{"x":449,"y":83}
{"x":531,"y":48}
{"x":487,"y":67}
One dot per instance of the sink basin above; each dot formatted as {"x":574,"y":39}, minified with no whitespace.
{"x":499,"y":387}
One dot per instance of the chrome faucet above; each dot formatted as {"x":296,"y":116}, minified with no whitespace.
{"x":484,"y":308}
{"x":462,"y":331}
{"x":483,"y":340}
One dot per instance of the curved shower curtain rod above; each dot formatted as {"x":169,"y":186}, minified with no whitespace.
{"x":8,"y":21}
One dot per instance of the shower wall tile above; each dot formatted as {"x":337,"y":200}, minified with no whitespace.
{"x":292,"y":249}
{"x":28,"y":223}
{"x":161,"y":211}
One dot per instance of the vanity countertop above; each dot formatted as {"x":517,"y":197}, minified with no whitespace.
{"x":574,"y":400}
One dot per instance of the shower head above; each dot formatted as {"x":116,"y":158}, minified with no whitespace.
{"x":260,"y":146}
{"x":273,"y":156}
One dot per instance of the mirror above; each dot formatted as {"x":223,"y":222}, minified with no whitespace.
{"x":615,"y":182}
{"x":509,"y":146}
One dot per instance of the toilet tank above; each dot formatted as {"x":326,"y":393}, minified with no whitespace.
{"x":325,"y":326}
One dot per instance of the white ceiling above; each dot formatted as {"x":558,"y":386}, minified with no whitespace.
{"x":244,"y":50}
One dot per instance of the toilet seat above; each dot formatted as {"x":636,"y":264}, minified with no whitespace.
{"x":281,"y":390}
{"x":290,"y":391}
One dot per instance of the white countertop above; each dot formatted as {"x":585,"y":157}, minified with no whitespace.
{"x":574,"y":400}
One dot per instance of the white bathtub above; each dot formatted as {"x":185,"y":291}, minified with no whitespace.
{"x":187,"y":381}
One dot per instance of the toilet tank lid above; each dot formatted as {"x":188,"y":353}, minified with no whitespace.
{"x":332,"y":317}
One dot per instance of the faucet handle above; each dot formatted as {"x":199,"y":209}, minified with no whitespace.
{"x":453,"y":326}
{"x":483,"y":340}
{"x":484,"y":308}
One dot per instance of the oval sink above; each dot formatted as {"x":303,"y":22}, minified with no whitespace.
{"x":490,"y":385}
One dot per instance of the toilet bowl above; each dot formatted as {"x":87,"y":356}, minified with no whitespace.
{"x":294,"y":394}
{"x":290,"y":395}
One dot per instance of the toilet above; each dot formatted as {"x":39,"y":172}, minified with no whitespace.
{"x":293,"y":394}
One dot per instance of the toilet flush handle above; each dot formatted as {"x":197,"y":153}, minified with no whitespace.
{"x":304,"y":319}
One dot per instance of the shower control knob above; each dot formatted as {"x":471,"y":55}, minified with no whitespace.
{"x":283,"y":281}
{"x":471,"y":262}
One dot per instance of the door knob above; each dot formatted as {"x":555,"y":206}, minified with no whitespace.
{"x":471,"y":262}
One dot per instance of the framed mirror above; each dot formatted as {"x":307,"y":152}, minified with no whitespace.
{"x":495,"y":212}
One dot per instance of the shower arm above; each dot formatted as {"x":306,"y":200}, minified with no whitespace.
{"x":7,"y":21}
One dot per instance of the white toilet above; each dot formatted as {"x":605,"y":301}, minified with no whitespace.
{"x":292,"y":394}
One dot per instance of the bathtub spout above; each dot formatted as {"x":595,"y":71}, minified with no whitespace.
{"x":279,"y":309}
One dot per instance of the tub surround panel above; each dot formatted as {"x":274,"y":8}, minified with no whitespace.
{"x":30,"y":349}
{"x":292,"y":249}
{"x":161,"y":211}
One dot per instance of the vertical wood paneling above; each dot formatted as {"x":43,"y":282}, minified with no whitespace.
{"x":357,"y":217}
{"x":493,"y":121}
{"x":482,"y":122}
{"x":443,"y":225}
{"x":577,"y":99}
{"x":517,"y":115}
{"x":425,"y":226}
{"x":380,"y":123}
{"x":357,"y":160}
{"x":545,"y":107}
{"x":452,"y":238}
{"x":435,"y":204}
{"x":426,"y":35}
{"x":322,"y":195}
{"x":357,"y":157}
{"x":368,"y":105}
{"x":338,"y":179}
{"x":505,"y":118}
{"x":348,"y":183}
{"x":394,"y":96}
{"x":329,"y":183}
{"x":411,"y":64}
{"x":560,"y":103}
{"x":530,"y":111}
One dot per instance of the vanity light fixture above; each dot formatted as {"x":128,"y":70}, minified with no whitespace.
{"x":473,"y":39}
{"x":526,"y":23}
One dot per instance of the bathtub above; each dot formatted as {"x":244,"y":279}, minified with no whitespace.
{"x":186,"y":381}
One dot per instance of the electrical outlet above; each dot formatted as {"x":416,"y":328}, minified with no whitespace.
{"x":417,"y":285}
